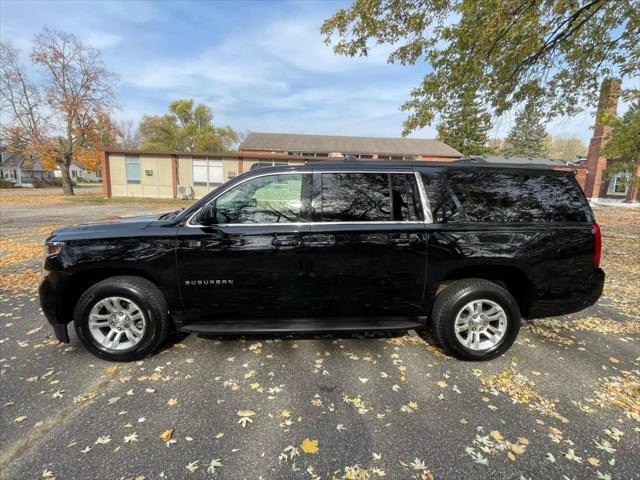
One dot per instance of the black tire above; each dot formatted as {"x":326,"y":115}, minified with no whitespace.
{"x":143,"y":293}
{"x":454,"y":298}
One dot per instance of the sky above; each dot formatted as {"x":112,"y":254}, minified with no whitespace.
{"x":260,"y":65}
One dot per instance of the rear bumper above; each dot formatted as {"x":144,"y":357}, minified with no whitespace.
{"x":582,"y":293}
{"x":51,"y":302}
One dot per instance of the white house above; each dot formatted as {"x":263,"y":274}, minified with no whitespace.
{"x":22,"y":170}
{"x":76,"y":171}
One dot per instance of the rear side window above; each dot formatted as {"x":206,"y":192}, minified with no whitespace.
{"x":508,"y":197}
{"x":369,"y":197}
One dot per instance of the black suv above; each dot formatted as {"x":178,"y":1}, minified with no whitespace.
{"x":335,"y":246}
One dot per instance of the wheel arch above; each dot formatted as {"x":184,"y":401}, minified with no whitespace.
{"x":82,"y":280}
{"x":510,"y":277}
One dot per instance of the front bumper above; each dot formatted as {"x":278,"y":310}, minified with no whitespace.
{"x":51,"y":302}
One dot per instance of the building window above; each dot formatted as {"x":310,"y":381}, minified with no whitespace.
{"x":208,"y":172}
{"x":619,"y":184}
{"x":132,"y":169}
{"x":74,"y":173}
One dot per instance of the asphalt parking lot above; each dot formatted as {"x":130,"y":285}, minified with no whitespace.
{"x":563,"y":403}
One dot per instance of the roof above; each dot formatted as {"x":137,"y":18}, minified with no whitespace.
{"x":467,"y":163}
{"x":515,"y":160}
{"x":15,"y":160}
{"x":293,"y":142}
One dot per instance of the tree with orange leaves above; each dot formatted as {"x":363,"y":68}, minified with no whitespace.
{"x":67,"y":117}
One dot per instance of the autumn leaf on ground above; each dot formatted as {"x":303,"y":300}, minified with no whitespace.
{"x":166,"y":435}
{"x":172,"y":402}
{"x":309,"y":446}
{"x":496,"y":435}
{"x":113,"y":369}
{"x":193,"y":466}
{"x":131,"y":438}
{"x":103,"y":440}
{"x":215,"y":463}
{"x":244,"y":417}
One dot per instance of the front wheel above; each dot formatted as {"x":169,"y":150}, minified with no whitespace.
{"x":122,"y":318}
{"x":475,"y":319}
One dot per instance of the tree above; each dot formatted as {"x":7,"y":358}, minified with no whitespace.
{"x":528,"y":137}
{"x":128,"y":135}
{"x":623,"y":143}
{"x":555,"y":51}
{"x":465,"y":125}
{"x":66,"y":118}
{"x":567,"y":148}
{"x":186,"y":128}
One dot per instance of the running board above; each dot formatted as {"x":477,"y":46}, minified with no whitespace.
{"x":306,"y":325}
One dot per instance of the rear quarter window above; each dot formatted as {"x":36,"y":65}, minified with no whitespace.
{"x":509,"y":197}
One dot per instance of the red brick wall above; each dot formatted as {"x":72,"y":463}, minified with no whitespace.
{"x":596,"y":163}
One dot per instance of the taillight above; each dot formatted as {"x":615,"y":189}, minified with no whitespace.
{"x":597,"y":244}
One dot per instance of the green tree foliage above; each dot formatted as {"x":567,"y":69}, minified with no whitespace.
{"x":556,"y":51}
{"x":187,"y":129}
{"x":465,"y":124}
{"x":528,"y":137}
{"x":624,"y":142}
{"x":567,"y":148}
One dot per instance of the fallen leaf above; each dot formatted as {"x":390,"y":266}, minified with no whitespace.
{"x":309,"y":446}
{"x":193,"y":466}
{"x":172,"y":402}
{"x":166,"y":435}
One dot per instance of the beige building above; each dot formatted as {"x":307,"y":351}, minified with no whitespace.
{"x":134,"y":173}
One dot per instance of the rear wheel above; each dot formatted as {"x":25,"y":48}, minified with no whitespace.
{"x":475,"y":319}
{"x":122,"y":318}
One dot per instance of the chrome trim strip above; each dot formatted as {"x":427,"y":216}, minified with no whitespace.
{"x":424,"y":199}
{"x":304,"y":224}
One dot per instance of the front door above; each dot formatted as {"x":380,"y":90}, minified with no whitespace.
{"x":367,"y":244}
{"x":250,"y":262}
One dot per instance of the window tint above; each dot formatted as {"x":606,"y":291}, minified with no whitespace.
{"x":405,"y":198}
{"x":132,"y":169}
{"x":442,"y":206}
{"x":268,"y":199}
{"x":355,"y":197}
{"x":508,"y":197}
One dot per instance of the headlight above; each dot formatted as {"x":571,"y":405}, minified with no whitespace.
{"x":52,"y":248}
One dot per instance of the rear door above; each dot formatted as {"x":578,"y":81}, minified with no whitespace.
{"x":366,"y":244}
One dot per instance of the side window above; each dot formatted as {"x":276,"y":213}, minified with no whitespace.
{"x":132,"y":169}
{"x":405,"y":198}
{"x":519,"y":197}
{"x":268,"y":199}
{"x":355,"y":197}
{"x":443,"y":207}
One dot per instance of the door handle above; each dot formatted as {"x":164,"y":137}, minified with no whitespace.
{"x":286,"y":242}
{"x":405,"y":241}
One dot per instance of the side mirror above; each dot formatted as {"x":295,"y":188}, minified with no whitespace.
{"x":208,"y":215}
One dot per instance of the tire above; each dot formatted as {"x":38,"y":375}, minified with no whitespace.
{"x":460,"y":301}
{"x":116,"y":298}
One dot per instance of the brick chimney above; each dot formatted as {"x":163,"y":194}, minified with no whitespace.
{"x":596,"y":163}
